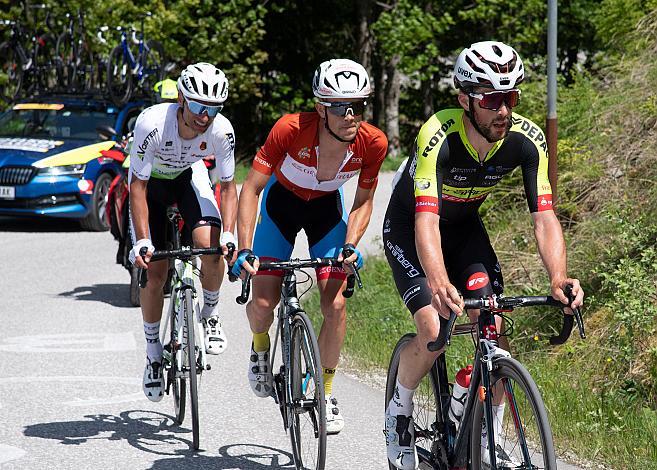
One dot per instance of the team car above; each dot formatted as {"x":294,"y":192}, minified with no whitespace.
{"x":54,"y":158}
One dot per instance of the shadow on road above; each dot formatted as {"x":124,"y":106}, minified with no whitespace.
{"x":157,"y":433}
{"x":242,"y":456}
{"x":117,"y":295}
{"x":38,"y":224}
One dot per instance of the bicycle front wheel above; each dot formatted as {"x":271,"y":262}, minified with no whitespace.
{"x":11,"y":73}
{"x":426,"y":410}
{"x":119,"y":77}
{"x":523,"y":438}
{"x":190,"y":322}
{"x":307,"y":408}
{"x":177,"y":376}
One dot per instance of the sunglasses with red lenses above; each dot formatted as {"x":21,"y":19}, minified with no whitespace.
{"x":356,"y":108}
{"x":493,"y":99}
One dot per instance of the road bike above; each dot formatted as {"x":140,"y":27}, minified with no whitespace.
{"x":184,"y":357}
{"x":126,"y":71}
{"x":298,"y":386}
{"x":524,"y":435}
{"x":27,"y":59}
{"x":75,"y":60}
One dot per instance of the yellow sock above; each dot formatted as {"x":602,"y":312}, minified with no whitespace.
{"x":261,"y":341}
{"x":328,"y":375}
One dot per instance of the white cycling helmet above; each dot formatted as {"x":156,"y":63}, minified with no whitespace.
{"x":203,"y":82}
{"x":490,"y":64}
{"x":341,"y":78}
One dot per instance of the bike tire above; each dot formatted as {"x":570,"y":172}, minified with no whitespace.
{"x":179,"y":384}
{"x":426,"y":409}
{"x":45,"y":64}
{"x":65,"y":62}
{"x":119,"y":77}
{"x":11,"y":73}
{"x":154,"y":62}
{"x":190,"y":319}
{"x":307,"y":415}
{"x":537,"y":445}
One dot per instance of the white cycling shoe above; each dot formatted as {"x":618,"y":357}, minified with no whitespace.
{"x":334,"y":419}
{"x":260,"y":377}
{"x":400,"y":441}
{"x":153,"y":384}
{"x":503,"y":460}
{"x":215,"y":336}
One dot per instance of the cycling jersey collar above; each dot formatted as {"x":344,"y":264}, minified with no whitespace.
{"x":469,"y":147}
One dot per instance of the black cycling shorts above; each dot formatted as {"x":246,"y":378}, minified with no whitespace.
{"x":192,"y":195}
{"x":470,"y":260}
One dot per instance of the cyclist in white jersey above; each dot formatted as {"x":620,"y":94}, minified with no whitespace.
{"x":166,"y":167}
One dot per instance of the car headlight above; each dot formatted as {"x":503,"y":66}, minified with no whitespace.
{"x":70,"y":170}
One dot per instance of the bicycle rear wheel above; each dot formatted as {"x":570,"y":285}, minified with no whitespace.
{"x":177,"y":377}
{"x":190,"y":322}
{"x":119,"y":77}
{"x":11,"y":73}
{"x":307,"y":416}
{"x":154,"y":62}
{"x":65,"y":62}
{"x":524,"y":434}
{"x":427,"y":405}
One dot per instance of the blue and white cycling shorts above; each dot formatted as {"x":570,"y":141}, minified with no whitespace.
{"x":283,"y":215}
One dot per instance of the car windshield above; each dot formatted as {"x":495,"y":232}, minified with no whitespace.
{"x":65,"y":123}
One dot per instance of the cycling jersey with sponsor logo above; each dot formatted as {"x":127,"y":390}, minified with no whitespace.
{"x":291,"y":152}
{"x":160,"y":152}
{"x":444,"y":174}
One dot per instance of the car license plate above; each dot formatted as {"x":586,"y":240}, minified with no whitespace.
{"x":7,"y":192}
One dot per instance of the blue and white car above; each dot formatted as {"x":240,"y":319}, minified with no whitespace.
{"x":50,"y":157}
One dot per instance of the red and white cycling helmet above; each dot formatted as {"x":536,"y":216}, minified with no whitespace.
{"x":489,"y":64}
{"x":203,"y":82}
{"x":341,"y":78}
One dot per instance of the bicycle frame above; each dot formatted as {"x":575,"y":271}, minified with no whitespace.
{"x":288,"y":306}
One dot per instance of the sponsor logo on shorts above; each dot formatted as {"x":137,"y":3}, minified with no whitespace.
{"x":477,"y":281}
{"x":411,"y":293}
{"x":398,"y":253}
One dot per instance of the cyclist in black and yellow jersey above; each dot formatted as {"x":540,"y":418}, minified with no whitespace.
{"x":434,"y":238}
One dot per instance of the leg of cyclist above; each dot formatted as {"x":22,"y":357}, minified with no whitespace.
{"x":273,"y":240}
{"x":325,"y":224}
{"x":152,"y":297}
{"x":198,"y":208}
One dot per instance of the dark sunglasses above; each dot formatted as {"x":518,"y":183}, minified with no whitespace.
{"x":493,"y":99}
{"x":199,"y":109}
{"x":342,"y":108}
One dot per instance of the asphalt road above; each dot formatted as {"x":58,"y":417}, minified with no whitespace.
{"x":73,"y":356}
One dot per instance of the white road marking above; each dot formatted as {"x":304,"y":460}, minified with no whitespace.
{"x":9,"y":453}
{"x":70,"y":342}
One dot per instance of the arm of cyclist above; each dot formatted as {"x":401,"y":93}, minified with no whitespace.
{"x":139,"y":214}
{"x":427,"y":242}
{"x":359,"y":219}
{"x":141,"y":165}
{"x":247,"y":210}
{"x":228,"y":210}
{"x":552,"y":248}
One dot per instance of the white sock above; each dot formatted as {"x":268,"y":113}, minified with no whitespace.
{"x":402,"y":401}
{"x":498,"y":416}
{"x":153,"y":344}
{"x":210,"y":303}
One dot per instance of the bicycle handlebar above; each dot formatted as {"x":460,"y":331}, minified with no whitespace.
{"x":293,"y":265}
{"x":509,"y":303}
{"x":184,"y":254}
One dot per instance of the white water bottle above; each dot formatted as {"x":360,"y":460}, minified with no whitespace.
{"x":459,"y":394}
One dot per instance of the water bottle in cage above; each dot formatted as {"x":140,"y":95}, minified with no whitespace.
{"x":459,"y":394}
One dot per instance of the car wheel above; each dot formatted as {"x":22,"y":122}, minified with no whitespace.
{"x":96,"y":220}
